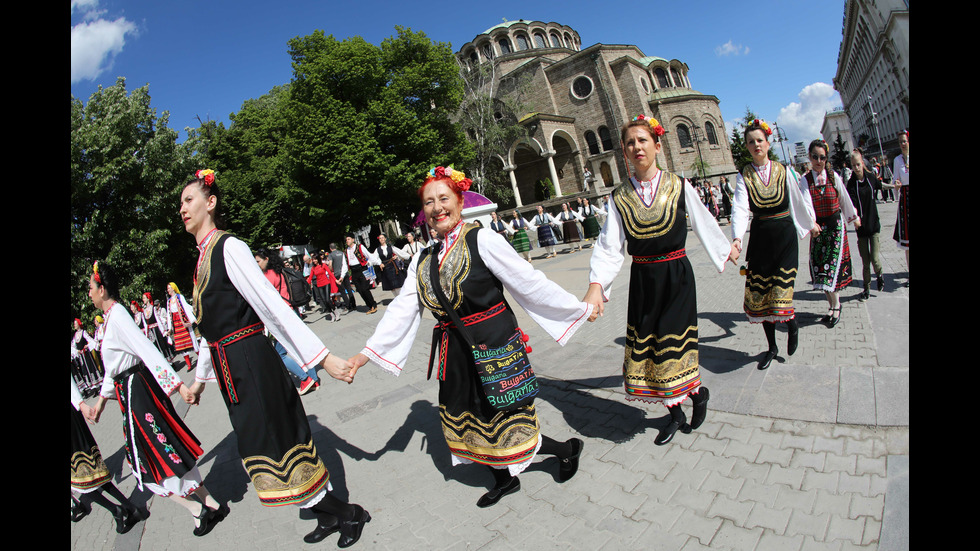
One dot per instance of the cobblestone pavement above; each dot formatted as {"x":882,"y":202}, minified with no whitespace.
{"x":810,"y":454}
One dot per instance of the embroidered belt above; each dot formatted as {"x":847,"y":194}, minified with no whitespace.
{"x":223,"y":369}
{"x":778,"y":215}
{"x":440,"y":334}
{"x":674,"y":255}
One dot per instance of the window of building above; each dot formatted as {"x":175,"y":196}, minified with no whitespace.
{"x":606,"y":138}
{"x":522,"y":43}
{"x":678,"y":81}
{"x":539,"y":41}
{"x":592,"y":143}
{"x":487,"y":50}
{"x":568,"y":42}
{"x":582,"y":87}
{"x":662,"y":77}
{"x":709,"y":129}
{"x":473,"y":57}
{"x":504,"y":46}
{"x":684,"y":136}
{"x":646,"y":87}
{"x":555,"y":41}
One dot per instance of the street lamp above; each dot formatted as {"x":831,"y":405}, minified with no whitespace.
{"x":874,"y":121}
{"x":781,"y":138}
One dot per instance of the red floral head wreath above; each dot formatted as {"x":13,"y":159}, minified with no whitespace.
{"x":456,"y":179}
{"x":206,"y":175}
{"x":655,"y":127}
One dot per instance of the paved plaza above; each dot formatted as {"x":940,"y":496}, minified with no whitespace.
{"x":811,"y":454}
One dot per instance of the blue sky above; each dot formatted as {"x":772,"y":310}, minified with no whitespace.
{"x":204,"y":58}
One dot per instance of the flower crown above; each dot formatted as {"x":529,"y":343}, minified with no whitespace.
{"x":205,"y":174}
{"x":764,"y":125}
{"x":655,"y":125}
{"x":95,"y":272}
{"x":457,"y":176}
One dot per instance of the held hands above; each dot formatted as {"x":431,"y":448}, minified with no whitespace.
{"x":815,"y":231}
{"x":356,"y":363}
{"x":857,"y":222}
{"x":188,"y":395}
{"x":338,"y":368}
{"x":735,"y":252}
{"x":594,"y":297}
{"x":88,"y":412}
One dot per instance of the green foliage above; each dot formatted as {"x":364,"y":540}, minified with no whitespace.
{"x":544,"y":189}
{"x":840,"y":157}
{"x":365,"y":123}
{"x":127,"y":171}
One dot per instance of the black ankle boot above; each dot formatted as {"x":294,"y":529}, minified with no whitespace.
{"x":350,"y":530}
{"x":700,"y":407}
{"x":326,"y":524}
{"x":677,"y":421}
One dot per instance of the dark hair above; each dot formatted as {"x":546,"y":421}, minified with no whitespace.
{"x":754,"y":126}
{"x":818,"y":143}
{"x":275,"y":261}
{"x":211,"y":190}
{"x":108,"y":280}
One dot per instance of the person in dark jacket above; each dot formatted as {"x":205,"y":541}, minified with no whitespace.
{"x":861,"y":186}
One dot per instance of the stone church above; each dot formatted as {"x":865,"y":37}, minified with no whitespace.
{"x":576,"y":99}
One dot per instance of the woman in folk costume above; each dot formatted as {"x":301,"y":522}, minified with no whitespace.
{"x":90,"y":477}
{"x":500,"y":227}
{"x":181,"y":323}
{"x":542,"y":221}
{"x":155,"y":325}
{"x":781,"y":216}
{"x":392,"y":275}
{"x":647,"y":220}
{"x":830,"y":255}
{"x":590,"y":220}
{"x":901,"y":181}
{"x":87,"y":370}
{"x":233,"y":303}
{"x":518,"y":229}
{"x":569,"y":220}
{"x":485,"y":419}
{"x":161,"y":450}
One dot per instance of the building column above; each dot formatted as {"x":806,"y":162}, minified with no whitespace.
{"x":513,"y":184}
{"x":550,"y":155}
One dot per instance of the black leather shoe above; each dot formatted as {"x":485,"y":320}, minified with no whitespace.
{"x":208,"y":518}
{"x":126,"y":519}
{"x":350,"y":530}
{"x":79,"y":511}
{"x":793,"y":342}
{"x":677,"y":421}
{"x":835,"y":318}
{"x":493,"y":496}
{"x":569,"y":465}
{"x":881,"y":283}
{"x":325,"y":525}
{"x":700,"y":407}
{"x":767,"y":359}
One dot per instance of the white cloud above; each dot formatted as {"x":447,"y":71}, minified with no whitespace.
{"x":802,"y":120}
{"x":95,"y":42}
{"x":730,"y":48}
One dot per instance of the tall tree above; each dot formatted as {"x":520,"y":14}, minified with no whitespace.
{"x":365,"y":123}
{"x":490,"y":115}
{"x":841,"y":155}
{"x":126,"y":173}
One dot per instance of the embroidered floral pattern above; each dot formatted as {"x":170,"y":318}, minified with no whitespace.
{"x":162,"y":438}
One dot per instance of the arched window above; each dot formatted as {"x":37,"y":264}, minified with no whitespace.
{"x":605,"y":138}
{"x":678,"y":81}
{"x":522,"y":43}
{"x":504,"y":46}
{"x":661,"y":78}
{"x":591,"y":141}
{"x":568,"y":42}
{"x":555,"y":41}
{"x":473,"y":57}
{"x":684,"y":136}
{"x":487,"y":50}
{"x":539,"y":41}
{"x":709,"y":129}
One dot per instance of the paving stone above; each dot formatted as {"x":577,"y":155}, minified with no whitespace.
{"x":862,"y":506}
{"x":730,"y":536}
{"x":814,"y":525}
{"x":693,"y":524}
{"x":735,"y":511}
{"x":851,"y":530}
{"x":721,"y":484}
{"x":775,"y":456}
{"x":766,"y":517}
{"x":791,"y":476}
{"x":815,"y":480}
{"x":776,"y":542}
